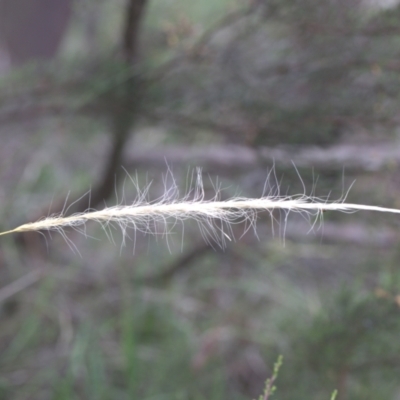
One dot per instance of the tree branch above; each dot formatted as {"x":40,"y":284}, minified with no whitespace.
{"x":183,"y":262}
{"x":124,"y":116}
{"x":354,"y":157}
{"x":134,"y":14}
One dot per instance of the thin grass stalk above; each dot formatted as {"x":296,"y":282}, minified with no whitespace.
{"x":227,"y":211}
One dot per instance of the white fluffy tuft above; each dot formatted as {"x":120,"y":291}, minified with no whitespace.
{"x":214,"y":217}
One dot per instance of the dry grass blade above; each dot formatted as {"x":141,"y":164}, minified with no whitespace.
{"x":227,"y":211}
{"x":215,"y":218}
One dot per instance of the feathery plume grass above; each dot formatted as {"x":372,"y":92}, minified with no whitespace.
{"x":215,"y":217}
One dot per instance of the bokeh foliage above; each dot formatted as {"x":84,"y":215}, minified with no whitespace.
{"x":178,"y":318}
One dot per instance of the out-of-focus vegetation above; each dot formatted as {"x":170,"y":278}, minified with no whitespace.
{"x":127,"y":88}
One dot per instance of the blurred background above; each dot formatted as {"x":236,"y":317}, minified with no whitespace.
{"x":94,"y":92}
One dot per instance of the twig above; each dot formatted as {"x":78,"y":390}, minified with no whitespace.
{"x":126,"y":106}
{"x":269,"y":385}
{"x":360,"y":157}
{"x":177,"y":266}
{"x":20,"y":284}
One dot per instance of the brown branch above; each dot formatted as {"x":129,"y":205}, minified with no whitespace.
{"x":354,"y":157}
{"x":125,"y":104}
{"x":177,"y":266}
{"x":134,"y":15}
{"x":125,"y":113}
{"x":20,"y":284}
{"x":190,"y":121}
